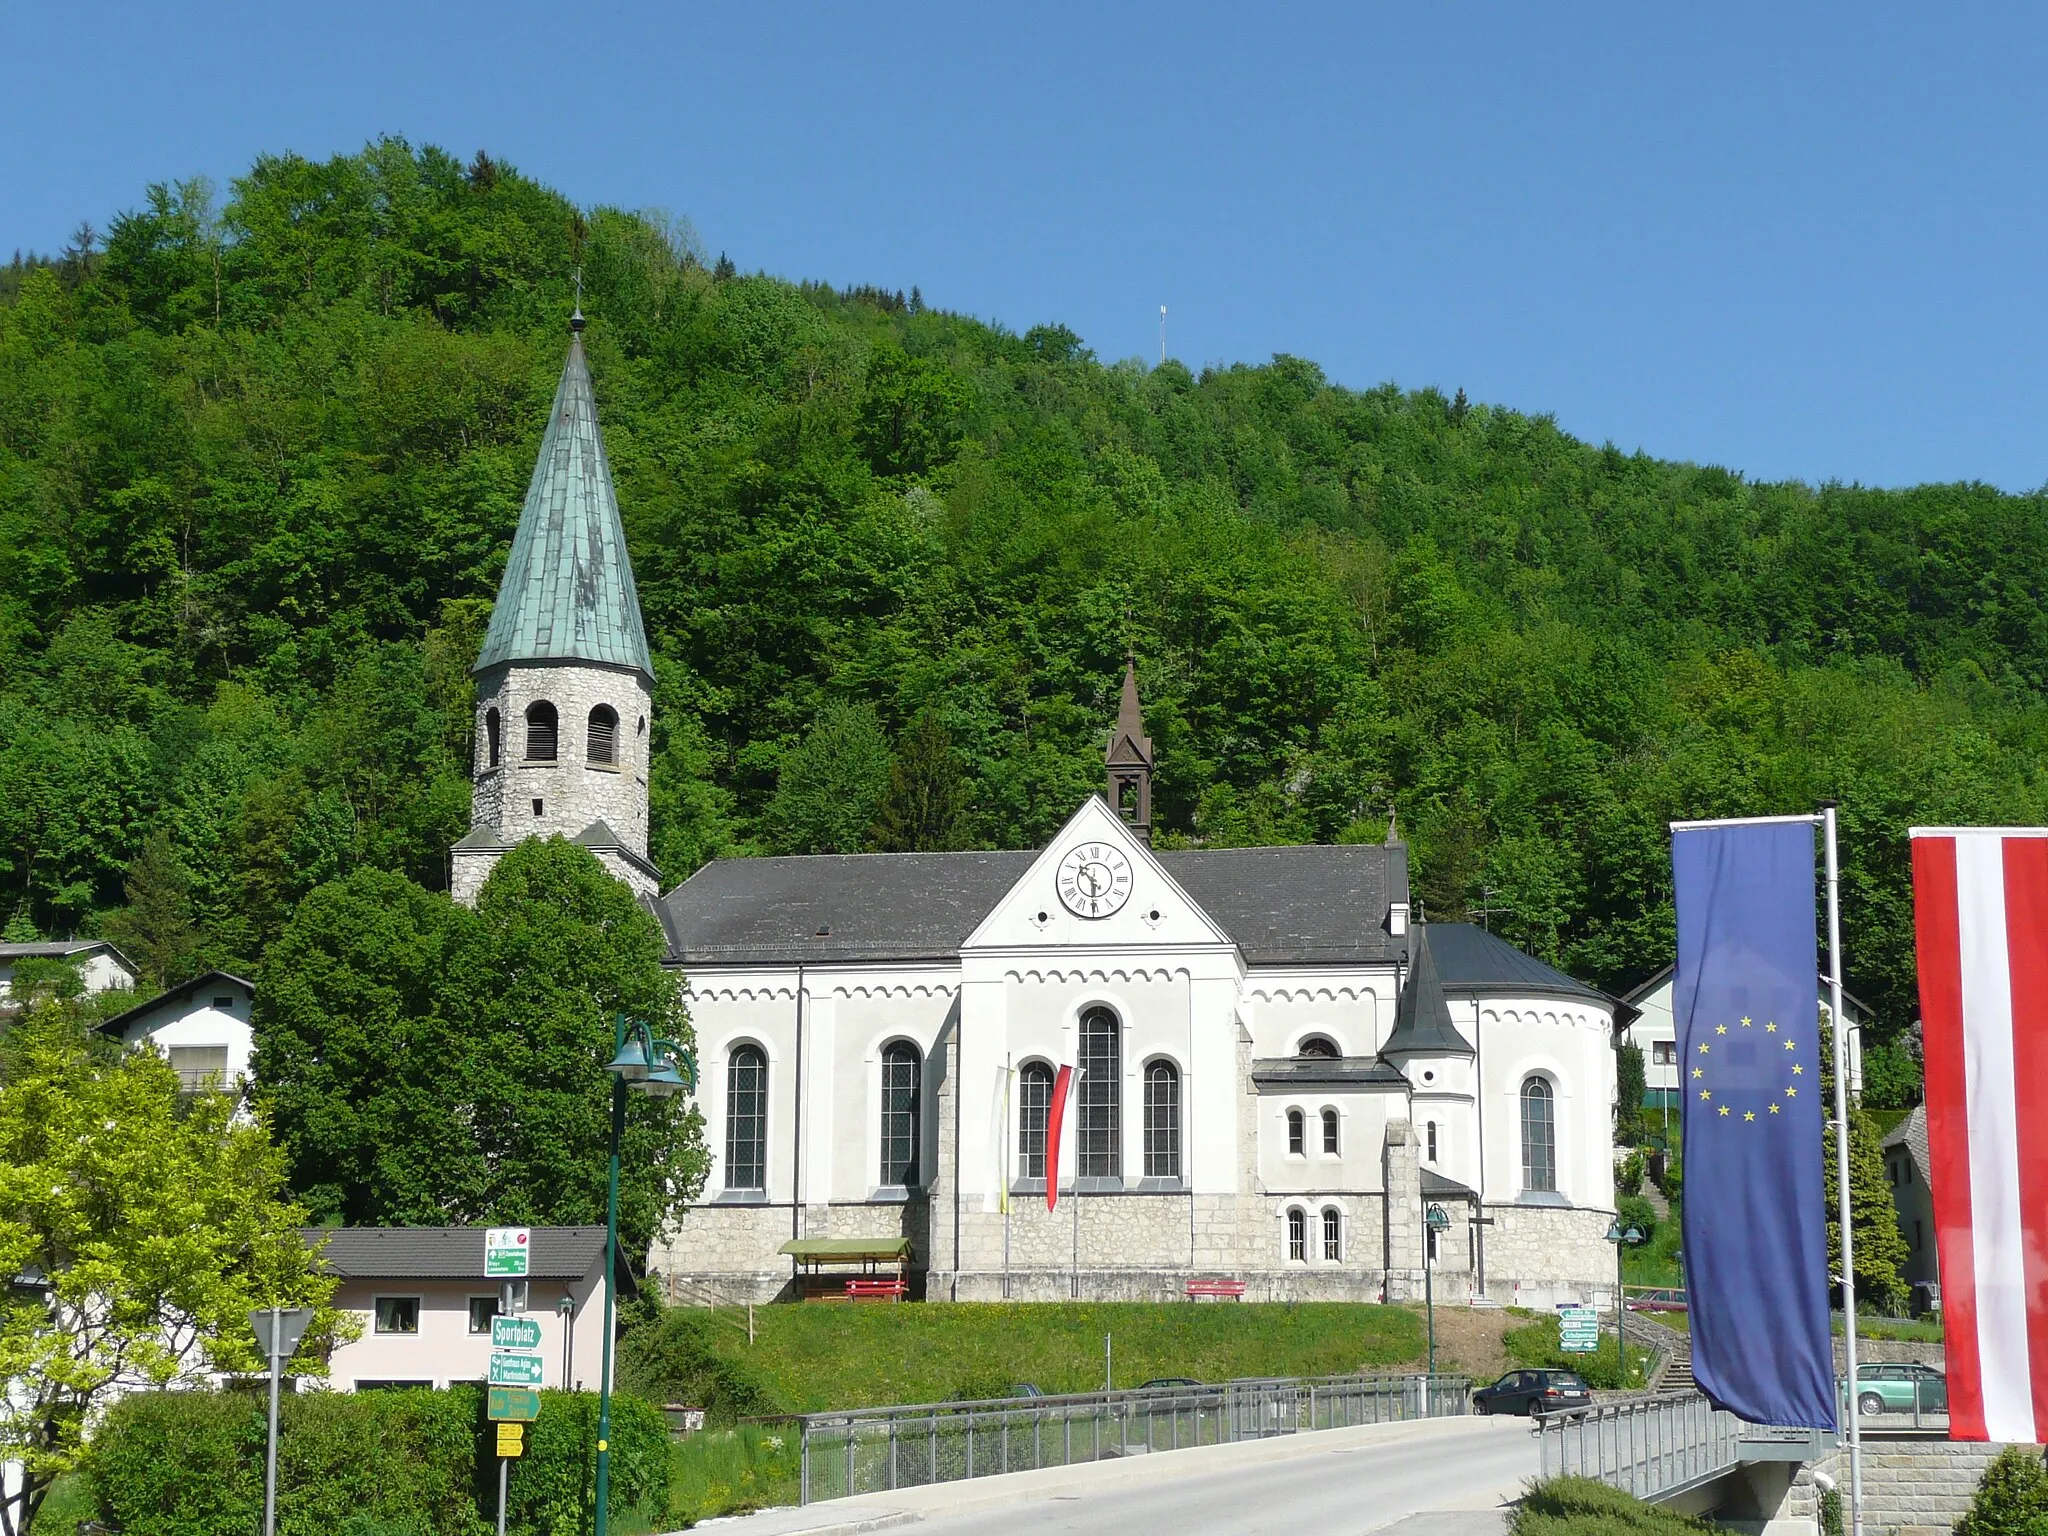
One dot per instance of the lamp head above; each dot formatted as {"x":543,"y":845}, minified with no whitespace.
{"x":663,"y":1082}
{"x":631,"y":1064}
{"x":1614,"y":1232}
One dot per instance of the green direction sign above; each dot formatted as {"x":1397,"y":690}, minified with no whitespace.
{"x":505,"y":1252}
{"x":513,"y":1405}
{"x":515,"y":1333}
{"x":1578,"y":1330}
{"x":509,"y":1369}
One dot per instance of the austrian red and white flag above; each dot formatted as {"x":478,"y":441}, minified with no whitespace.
{"x":1055,"y":1122}
{"x":1980,"y":898}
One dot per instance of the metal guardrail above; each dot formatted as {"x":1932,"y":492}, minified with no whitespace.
{"x":873,"y":1450}
{"x":1658,"y":1446}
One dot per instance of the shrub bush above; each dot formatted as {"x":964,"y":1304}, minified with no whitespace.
{"x":2012,"y":1498}
{"x":673,"y":1358}
{"x":409,"y":1463}
{"x":1637,"y":1212}
{"x":1538,"y":1343}
{"x":1628,"y":1174}
{"x":1580,"y":1506}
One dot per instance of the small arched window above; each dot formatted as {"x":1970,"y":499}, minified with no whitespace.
{"x":1430,"y":1129}
{"x":540,"y":732}
{"x":1297,"y":1134}
{"x":1539,"y":1136}
{"x":900,"y":1114}
{"x":1333,"y":1234}
{"x":604,"y":734}
{"x":1318,"y":1048}
{"x":490,"y":738}
{"x":1331,"y":1145}
{"x":1100,"y":1100}
{"x":746,"y":1118}
{"x":1162,"y":1121}
{"x":1034,"y":1110}
{"x":1297,"y":1237}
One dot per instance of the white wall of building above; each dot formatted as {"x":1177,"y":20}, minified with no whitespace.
{"x":444,"y":1350}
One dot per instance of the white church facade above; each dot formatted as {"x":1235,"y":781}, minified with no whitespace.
{"x":1278,"y":1073}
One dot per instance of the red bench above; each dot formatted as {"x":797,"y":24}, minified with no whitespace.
{"x":1216,"y":1290}
{"x":876,"y":1290}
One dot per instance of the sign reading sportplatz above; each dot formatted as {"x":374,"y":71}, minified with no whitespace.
{"x":519,"y":1405}
{"x":1578,"y":1330}
{"x":505,"y":1252}
{"x":513,"y":1369}
{"x":515,"y":1333}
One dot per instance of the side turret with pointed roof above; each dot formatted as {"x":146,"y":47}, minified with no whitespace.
{"x":565,"y":683}
{"x":1422,"y":1018}
{"x":1130,"y":758}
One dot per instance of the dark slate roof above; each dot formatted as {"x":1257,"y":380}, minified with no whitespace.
{"x":1422,"y":1019}
{"x":58,"y":949}
{"x":1308,"y":905}
{"x":568,"y":592}
{"x":1436,"y":1186}
{"x":118,"y":1024}
{"x":453,"y":1253}
{"x":1470,"y":960}
{"x":1911,"y":1133}
{"x":1285,"y":1074}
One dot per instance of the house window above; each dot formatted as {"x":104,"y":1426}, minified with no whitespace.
{"x":1429,"y":1137}
{"x":200,"y":1068}
{"x":746,"y":1118}
{"x":1333,"y":1235}
{"x":604,"y":734}
{"x":481,"y":1310}
{"x":1318,"y":1048}
{"x":1162,"y":1121}
{"x":540,"y":732}
{"x":1539,"y":1136}
{"x":490,"y":738}
{"x":224,"y":1004}
{"x":900,"y":1063}
{"x":1100,"y":1099}
{"x":1916,"y":1236}
{"x":1297,"y":1237}
{"x":1330,"y":1142}
{"x":1297,"y":1134}
{"x":397,"y":1314}
{"x":1034,"y":1110}
{"x":1664,"y":1053}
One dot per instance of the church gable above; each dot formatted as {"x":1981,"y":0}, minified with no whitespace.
{"x":1097,"y":884}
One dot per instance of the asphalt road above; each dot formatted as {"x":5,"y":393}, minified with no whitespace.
{"x":1341,"y":1492}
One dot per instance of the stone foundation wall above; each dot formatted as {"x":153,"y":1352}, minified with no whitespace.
{"x":1540,"y":1255}
{"x":1913,"y":1487}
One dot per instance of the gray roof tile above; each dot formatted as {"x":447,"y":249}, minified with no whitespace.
{"x":453,"y":1253}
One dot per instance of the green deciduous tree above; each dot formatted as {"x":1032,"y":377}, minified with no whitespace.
{"x":830,"y":784}
{"x":153,"y":1225}
{"x":1881,"y":1248}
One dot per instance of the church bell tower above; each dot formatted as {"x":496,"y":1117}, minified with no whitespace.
{"x":564,"y":684}
{"x":1130,"y":758}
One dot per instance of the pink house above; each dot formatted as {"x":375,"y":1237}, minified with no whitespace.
{"x":426,"y":1307}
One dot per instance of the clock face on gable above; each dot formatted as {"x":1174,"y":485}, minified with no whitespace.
{"x":1094,"y":880}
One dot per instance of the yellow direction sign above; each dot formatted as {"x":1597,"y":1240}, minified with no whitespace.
{"x":511,"y":1439}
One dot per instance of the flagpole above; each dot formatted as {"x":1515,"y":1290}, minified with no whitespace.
{"x":1841,"y":1048}
{"x":1004,"y":1173}
{"x":1074,"y":1098}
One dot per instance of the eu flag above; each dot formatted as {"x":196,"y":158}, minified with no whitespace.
{"x":1755,"y":1220}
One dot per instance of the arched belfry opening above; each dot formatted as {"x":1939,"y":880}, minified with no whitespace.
{"x":1130,"y":758}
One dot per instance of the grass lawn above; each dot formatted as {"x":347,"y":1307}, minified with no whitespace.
{"x":811,"y":1358}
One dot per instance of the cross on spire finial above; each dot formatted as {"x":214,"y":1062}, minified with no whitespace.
{"x":576,"y":320}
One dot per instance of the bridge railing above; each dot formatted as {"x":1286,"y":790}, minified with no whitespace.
{"x":1662,"y":1444}
{"x":873,"y":1450}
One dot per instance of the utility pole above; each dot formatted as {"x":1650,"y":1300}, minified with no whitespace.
{"x":1162,"y":334}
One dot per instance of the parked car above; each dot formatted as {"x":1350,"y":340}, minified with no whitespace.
{"x":1533,"y":1393}
{"x":1167,"y":1381}
{"x":1025,"y":1389}
{"x":1892,"y":1387}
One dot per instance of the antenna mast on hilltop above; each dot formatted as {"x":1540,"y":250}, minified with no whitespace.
{"x":1162,"y":334}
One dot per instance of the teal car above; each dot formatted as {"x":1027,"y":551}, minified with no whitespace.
{"x":1893,"y":1387}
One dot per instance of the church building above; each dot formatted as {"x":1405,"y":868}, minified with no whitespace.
{"x":1279,"y":1075}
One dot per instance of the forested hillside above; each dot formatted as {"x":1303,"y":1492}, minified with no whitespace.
{"x":261,"y":456}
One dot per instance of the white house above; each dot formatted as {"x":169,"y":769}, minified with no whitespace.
{"x":101,"y":966}
{"x":426,"y":1307}
{"x":202,"y":1025}
{"x":1655,"y":1032}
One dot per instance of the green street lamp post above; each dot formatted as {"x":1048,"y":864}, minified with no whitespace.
{"x":641,"y":1063}
{"x":1436,"y":1220}
{"x":1623,"y":1241}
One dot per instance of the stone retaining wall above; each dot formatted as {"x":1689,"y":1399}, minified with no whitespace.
{"x":1912,"y":1487}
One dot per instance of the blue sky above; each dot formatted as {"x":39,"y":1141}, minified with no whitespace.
{"x":1796,"y":241}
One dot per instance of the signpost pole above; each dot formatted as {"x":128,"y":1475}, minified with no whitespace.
{"x":504,"y":1469}
{"x":270,"y":1451}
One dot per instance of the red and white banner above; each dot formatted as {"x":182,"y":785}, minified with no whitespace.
{"x":1055,"y":1118}
{"x":1980,"y":898}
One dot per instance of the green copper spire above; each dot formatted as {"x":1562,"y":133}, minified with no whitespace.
{"x":568,"y":591}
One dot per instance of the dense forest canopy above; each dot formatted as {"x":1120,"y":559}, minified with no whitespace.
{"x":261,"y":457}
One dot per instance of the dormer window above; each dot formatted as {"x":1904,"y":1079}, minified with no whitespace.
{"x":1318,"y":1048}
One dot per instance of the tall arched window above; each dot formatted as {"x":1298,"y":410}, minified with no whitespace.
{"x":1034,"y":1108}
{"x":604,"y":734}
{"x":746,"y":1118}
{"x":1100,"y":1139}
{"x":540,"y":732}
{"x":1539,"y":1136}
{"x":490,"y":738}
{"x":1162,"y":1120}
{"x":1297,"y":1134}
{"x":1297,"y":1237}
{"x":1333,"y":1234}
{"x":1430,"y":1128}
{"x":1331,"y":1143}
{"x":900,"y":1106}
